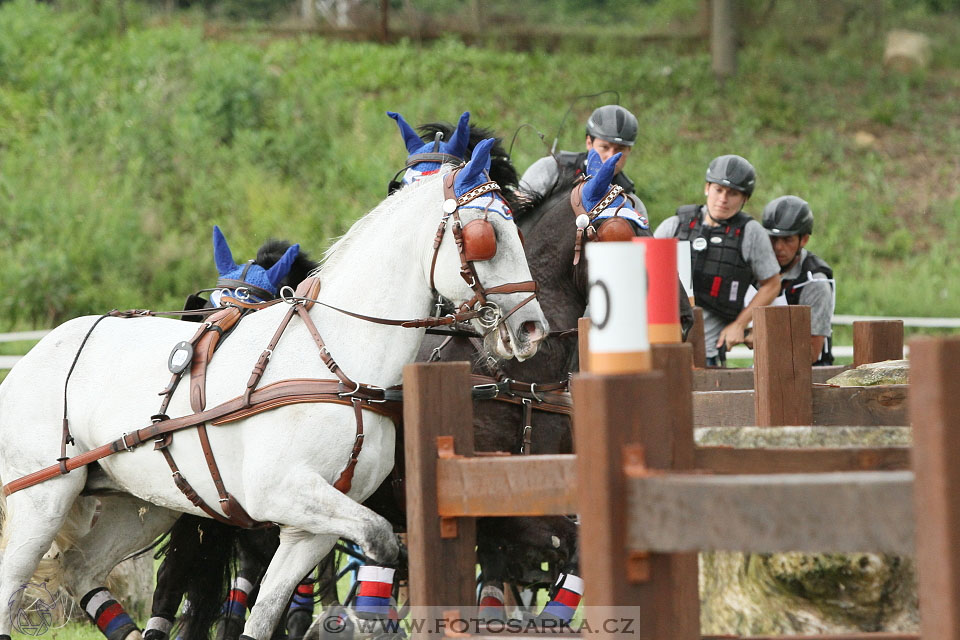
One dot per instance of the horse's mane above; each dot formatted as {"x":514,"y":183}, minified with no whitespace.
{"x":385,"y":208}
{"x":502,"y":170}
{"x":273,"y":249}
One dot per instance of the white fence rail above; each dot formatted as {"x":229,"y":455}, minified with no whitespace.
{"x":737,"y":353}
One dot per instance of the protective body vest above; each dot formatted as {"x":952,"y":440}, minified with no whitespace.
{"x":720,"y":274}
{"x":791,"y":290}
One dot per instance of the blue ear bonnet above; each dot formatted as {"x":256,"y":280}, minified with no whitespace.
{"x":473,"y":175}
{"x":455,"y":146}
{"x":598,"y":184}
{"x":266,"y":279}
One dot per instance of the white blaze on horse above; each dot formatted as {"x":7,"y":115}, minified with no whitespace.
{"x":280,"y":464}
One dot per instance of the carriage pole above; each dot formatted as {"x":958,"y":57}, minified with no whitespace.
{"x":437,"y":403}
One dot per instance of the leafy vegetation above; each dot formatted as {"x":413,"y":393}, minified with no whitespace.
{"x":120,"y":148}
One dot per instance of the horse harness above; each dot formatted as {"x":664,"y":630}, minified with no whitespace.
{"x":476,"y":241}
{"x":549,"y":397}
{"x":477,"y":244}
{"x":613,"y":228}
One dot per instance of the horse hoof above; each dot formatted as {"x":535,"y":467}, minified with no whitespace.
{"x":297,"y":623}
{"x":383,"y":548}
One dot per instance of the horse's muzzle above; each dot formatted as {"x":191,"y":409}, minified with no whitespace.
{"x":529,"y":336}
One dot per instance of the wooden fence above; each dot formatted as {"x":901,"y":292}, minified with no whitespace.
{"x":649,"y":499}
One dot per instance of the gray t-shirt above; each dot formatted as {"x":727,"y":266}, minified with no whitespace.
{"x":544,"y":173}
{"x":756,"y":251}
{"x":818,"y":294}
{"x":541,"y":175}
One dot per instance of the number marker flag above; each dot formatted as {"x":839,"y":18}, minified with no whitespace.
{"x":663,"y":295}
{"x":685,"y":267}
{"x":618,"y":308}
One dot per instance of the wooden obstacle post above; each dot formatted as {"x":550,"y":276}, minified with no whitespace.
{"x":877,"y":340}
{"x":782,"y":372}
{"x":609,"y":412}
{"x":442,"y":556}
{"x":583,"y":343}
{"x":935,"y":416}
{"x":696,"y":338}
{"x":680,"y":570}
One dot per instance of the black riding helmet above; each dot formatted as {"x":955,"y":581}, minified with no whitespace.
{"x":734,"y":172}
{"x":788,"y":216}
{"x":614,"y":124}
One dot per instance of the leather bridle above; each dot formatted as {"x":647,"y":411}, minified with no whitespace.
{"x":476,"y":241}
{"x":591,"y":232}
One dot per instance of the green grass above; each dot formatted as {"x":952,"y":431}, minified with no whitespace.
{"x":119,"y":151}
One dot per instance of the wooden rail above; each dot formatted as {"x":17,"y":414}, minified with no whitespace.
{"x":644,"y":510}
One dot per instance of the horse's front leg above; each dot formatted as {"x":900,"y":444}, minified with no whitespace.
{"x":316,"y":515}
{"x":298,"y":552}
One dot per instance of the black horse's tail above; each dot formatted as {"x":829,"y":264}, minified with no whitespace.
{"x":198,"y":561}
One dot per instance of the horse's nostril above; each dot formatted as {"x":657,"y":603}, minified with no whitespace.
{"x":533,"y":330}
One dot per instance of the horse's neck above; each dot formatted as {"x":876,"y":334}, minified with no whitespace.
{"x":380,"y":273}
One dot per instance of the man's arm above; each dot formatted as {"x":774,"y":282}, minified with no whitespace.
{"x":732,"y":334}
{"x":818,"y":295}
{"x":541,"y":176}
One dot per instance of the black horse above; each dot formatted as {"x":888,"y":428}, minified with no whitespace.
{"x":512,"y":550}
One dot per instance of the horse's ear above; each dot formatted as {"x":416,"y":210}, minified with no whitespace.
{"x":457,"y":145}
{"x":479,"y":162}
{"x":221,"y":253}
{"x":594,"y":163}
{"x":410,"y":137}
{"x":596,"y":187}
{"x":279,"y":271}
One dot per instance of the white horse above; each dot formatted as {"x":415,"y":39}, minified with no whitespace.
{"x":279,"y":464}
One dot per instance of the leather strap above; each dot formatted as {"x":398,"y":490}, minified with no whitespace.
{"x":276,"y":394}
{"x":205,"y":342}
{"x":442,"y":158}
{"x":527,"y":437}
{"x":345,"y":481}
{"x":230,"y":505}
{"x":576,"y":203}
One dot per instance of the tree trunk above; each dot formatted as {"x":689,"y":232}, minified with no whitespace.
{"x":308,"y":12}
{"x":723,"y":39}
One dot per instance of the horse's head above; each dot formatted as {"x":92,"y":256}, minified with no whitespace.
{"x":250,"y":281}
{"x":478,"y":261}
{"x":425,"y":158}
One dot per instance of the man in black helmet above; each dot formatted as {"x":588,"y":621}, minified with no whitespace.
{"x":729,"y":251}
{"x":804,"y":277}
{"x":611,"y":129}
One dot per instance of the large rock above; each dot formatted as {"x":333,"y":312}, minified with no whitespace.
{"x":874,"y":373}
{"x":798,"y":593}
{"x":795,"y":593}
